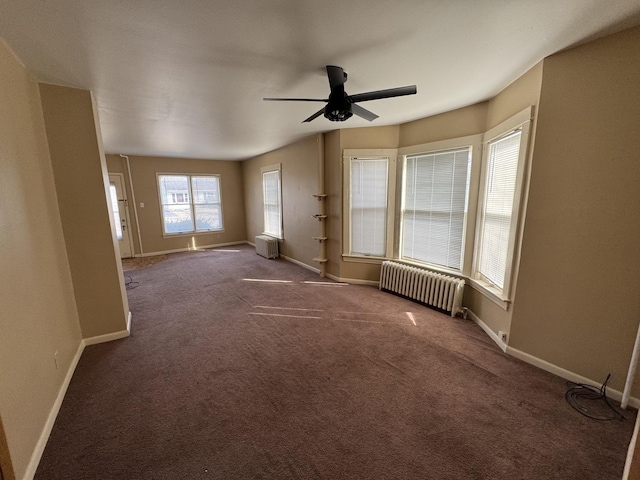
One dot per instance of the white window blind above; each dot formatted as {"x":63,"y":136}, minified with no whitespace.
{"x":272,"y":204}
{"x":368,"y":206}
{"x":500,"y":184}
{"x":435,"y":203}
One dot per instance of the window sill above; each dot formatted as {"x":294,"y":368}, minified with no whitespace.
{"x":272,"y":236}
{"x":363,"y":259}
{"x":490,"y":292}
{"x":190,"y":234}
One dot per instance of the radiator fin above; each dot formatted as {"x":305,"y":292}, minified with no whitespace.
{"x":431,"y":288}
{"x":267,"y":246}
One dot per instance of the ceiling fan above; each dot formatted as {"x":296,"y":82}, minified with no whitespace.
{"x":341,"y":106}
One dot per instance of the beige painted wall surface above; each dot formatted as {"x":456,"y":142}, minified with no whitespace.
{"x":300,"y":168}
{"x":464,"y":121}
{"x":577,"y":302}
{"x":145,"y":185}
{"x":80,"y":176}
{"x":333,"y":189}
{"x":39,"y":315}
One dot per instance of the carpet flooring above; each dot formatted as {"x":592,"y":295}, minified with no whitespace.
{"x":240,"y":367}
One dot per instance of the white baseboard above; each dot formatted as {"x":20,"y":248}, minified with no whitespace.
{"x":34,"y":461}
{"x":567,"y":375}
{"x":492,"y":335}
{"x":53,"y":413}
{"x":354,"y":281}
{"x":108,"y":337}
{"x":188,"y":249}
{"x":303,"y":265}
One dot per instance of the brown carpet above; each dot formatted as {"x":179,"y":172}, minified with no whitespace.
{"x":225,"y":377}
{"x":140,"y":262}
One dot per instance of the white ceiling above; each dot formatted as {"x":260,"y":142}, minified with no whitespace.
{"x":186,"y":78}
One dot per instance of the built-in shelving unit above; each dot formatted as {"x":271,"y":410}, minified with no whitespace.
{"x":322,"y":238}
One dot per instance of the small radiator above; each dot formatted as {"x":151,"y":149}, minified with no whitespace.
{"x":431,"y":288}
{"x":267,"y":246}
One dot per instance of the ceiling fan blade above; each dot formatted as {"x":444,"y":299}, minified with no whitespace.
{"x":295,"y":99}
{"x":336,"y":75}
{"x":378,"y":94}
{"x":363,"y":112}
{"x":314,"y":116}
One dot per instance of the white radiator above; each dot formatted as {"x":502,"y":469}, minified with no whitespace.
{"x":267,"y":246}
{"x":431,"y":288}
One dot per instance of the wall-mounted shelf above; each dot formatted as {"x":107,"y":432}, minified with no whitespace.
{"x":320,"y":239}
{"x":319,"y":196}
{"x":318,"y":216}
{"x":320,"y":260}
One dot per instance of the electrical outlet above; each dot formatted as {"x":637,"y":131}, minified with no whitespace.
{"x":502,"y":335}
{"x":56,"y":359}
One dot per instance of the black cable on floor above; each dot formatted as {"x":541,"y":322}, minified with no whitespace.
{"x":129,"y":283}
{"x":579,"y":394}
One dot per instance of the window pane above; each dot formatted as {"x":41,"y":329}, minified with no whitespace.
{"x":174,"y":189}
{"x":368,"y":208}
{"x":208,"y":217}
{"x":272,"y":207}
{"x":177,"y":218}
{"x":205,"y":190}
{"x":435,"y":204}
{"x":116,"y":212}
{"x":502,"y":167}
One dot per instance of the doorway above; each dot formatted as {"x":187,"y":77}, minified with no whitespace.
{"x":118,"y":197}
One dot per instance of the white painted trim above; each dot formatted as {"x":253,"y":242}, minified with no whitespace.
{"x":566,"y":374}
{"x":303,"y":265}
{"x":108,"y":337}
{"x":34,"y":461}
{"x":631,"y":450}
{"x":354,"y":281}
{"x":492,"y":335}
{"x":188,"y":249}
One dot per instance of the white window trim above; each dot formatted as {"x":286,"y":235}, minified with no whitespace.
{"x":475,"y":143}
{"x":503,"y":297}
{"x":348,"y":154}
{"x":272,"y":168}
{"x":160,"y":204}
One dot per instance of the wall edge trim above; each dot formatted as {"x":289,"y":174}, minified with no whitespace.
{"x":567,"y":374}
{"x":303,"y":265}
{"x":492,"y":335}
{"x":36,"y":455}
{"x":355,"y":281}
{"x":178,"y":250}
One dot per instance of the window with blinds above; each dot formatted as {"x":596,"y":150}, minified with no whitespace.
{"x":435,"y":194}
{"x":501,"y":172}
{"x":272,"y":196}
{"x":368,"y":206}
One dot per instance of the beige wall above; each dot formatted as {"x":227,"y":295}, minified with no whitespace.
{"x":80,"y":176}
{"x":299,"y":176}
{"x":577,"y":301}
{"x":145,"y":186}
{"x":39,"y":315}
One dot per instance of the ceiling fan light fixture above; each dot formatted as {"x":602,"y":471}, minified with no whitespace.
{"x":338,"y":115}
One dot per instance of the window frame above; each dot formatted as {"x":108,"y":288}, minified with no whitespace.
{"x":268,"y":169}
{"x":503,"y":296}
{"x":391,"y":155}
{"x":191,"y":203}
{"x":474,"y":142}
